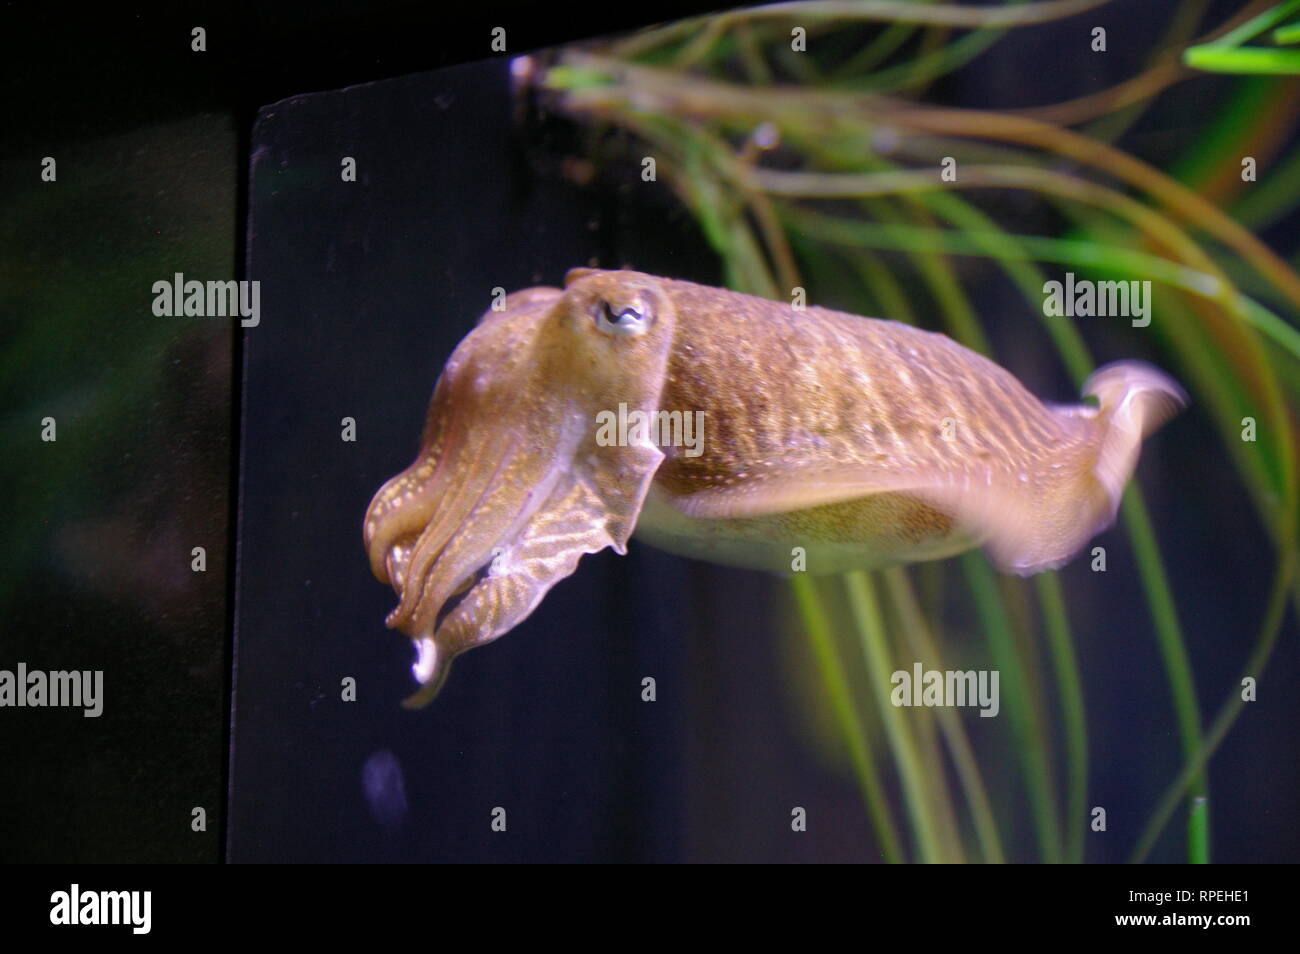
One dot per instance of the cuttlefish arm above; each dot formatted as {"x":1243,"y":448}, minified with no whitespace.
{"x":875,"y":441}
{"x":511,"y":487}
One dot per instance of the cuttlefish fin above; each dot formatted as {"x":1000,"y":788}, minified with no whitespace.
{"x":1030,"y":532}
{"x":1032,"y":513}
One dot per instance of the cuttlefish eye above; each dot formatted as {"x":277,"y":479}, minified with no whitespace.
{"x":622,"y":321}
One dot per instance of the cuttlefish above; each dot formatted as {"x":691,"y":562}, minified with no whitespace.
{"x":826,"y":438}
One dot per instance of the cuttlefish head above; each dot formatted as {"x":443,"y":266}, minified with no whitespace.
{"x":511,"y":486}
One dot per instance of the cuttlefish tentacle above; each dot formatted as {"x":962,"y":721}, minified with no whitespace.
{"x":511,"y":486}
{"x":566,"y":526}
{"x":868,"y":442}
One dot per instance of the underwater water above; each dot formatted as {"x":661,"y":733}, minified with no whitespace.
{"x":756,"y":743}
{"x":191,"y":496}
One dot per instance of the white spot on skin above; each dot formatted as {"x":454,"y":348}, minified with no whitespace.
{"x":426,"y":657}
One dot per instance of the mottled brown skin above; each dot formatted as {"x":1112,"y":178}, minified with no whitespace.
{"x":816,"y":406}
{"x":865,"y":442}
{"x":796,"y":394}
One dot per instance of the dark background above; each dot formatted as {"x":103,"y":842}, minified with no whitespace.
{"x":367,"y":290}
{"x":152,"y":144}
{"x":165,"y":166}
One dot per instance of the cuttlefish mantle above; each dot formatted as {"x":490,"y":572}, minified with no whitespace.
{"x":865,"y":442}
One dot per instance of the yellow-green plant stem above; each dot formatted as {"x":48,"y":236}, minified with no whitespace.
{"x":1066,"y":666}
{"x":968,"y":774}
{"x":873,"y":793}
{"x":1019,"y":700}
{"x":1198,"y":831}
{"x":866,"y":613}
